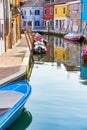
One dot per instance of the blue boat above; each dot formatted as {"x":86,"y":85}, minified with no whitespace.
{"x":13,"y":96}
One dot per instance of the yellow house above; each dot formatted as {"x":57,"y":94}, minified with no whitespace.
{"x":61,"y":17}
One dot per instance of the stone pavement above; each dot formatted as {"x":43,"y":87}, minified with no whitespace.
{"x":13,"y":63}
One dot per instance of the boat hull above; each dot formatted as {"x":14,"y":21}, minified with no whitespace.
{"x":12,"y":114}
{"x":72,"y":37}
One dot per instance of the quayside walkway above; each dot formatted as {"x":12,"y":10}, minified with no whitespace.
{"x":13,"y":63}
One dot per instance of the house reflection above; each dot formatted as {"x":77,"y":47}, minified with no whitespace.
{"x":61,"y":52}
{"x":50,"y":48}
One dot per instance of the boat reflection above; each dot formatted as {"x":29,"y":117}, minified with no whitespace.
{"x":22,"y":122}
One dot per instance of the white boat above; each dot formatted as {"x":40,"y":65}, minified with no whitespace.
{"x":72,"y":36}
{"x":39,"y":43}
{"x":39,"y":49}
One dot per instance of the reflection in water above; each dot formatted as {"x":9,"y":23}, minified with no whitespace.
{"x":58,"y":64}
{"x":58,"y":102}
{"x":61,"y":51}
{"x":22,"y":122}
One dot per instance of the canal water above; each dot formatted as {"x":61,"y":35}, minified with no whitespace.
{"x":59,"y":91}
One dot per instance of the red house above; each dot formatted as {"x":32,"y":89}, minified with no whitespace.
{"x":48,"y":16}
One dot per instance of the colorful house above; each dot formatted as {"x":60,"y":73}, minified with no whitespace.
{"x":32,"y":15}
{"x":74,"y":24}
{"x":61,"y":16}
{"x":48,"y":16}
{"x":84,"y":16}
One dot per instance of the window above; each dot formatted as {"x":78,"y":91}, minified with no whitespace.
{"x":51,"y":23}
{"x":24,"y":23}
{"x":56,"y":23}
{"x":51,"y":10}
{"x":37,"y":23}
{"x":22,"y":16}
{"x":37,"y":12}
{"x":55,"y":10}
{"x":64,"y":10}
{"x":30,"y":23}
{"x":44,"y":23}
{"x":31,"y":12}
{"x":44,"y":11}
{"x":24,"y":12}
{"x":75,"y":7}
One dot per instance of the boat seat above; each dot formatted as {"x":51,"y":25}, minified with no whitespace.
{"x":3,"y":111}
{"x":9,"y":98}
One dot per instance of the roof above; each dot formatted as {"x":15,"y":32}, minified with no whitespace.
{"x":74,"y":2}
{"x":31,"y":3}
{"x":34,"y":3}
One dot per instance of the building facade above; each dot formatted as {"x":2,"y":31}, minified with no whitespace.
{"x":32,"y":16}
{"x":61,"y":17}
{"x":74,"y":24}
{"x":48,"y":16}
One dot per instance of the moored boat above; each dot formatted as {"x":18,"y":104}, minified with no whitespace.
{"x":39,"y":43}
{"x":39,"y":49}
{"x":13,"y":96}
{"x":39,"y":38}
{"x":72,"y":36}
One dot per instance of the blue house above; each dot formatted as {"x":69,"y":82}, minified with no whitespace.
{"x":32,"y":15}
{"x":84,"y":16}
